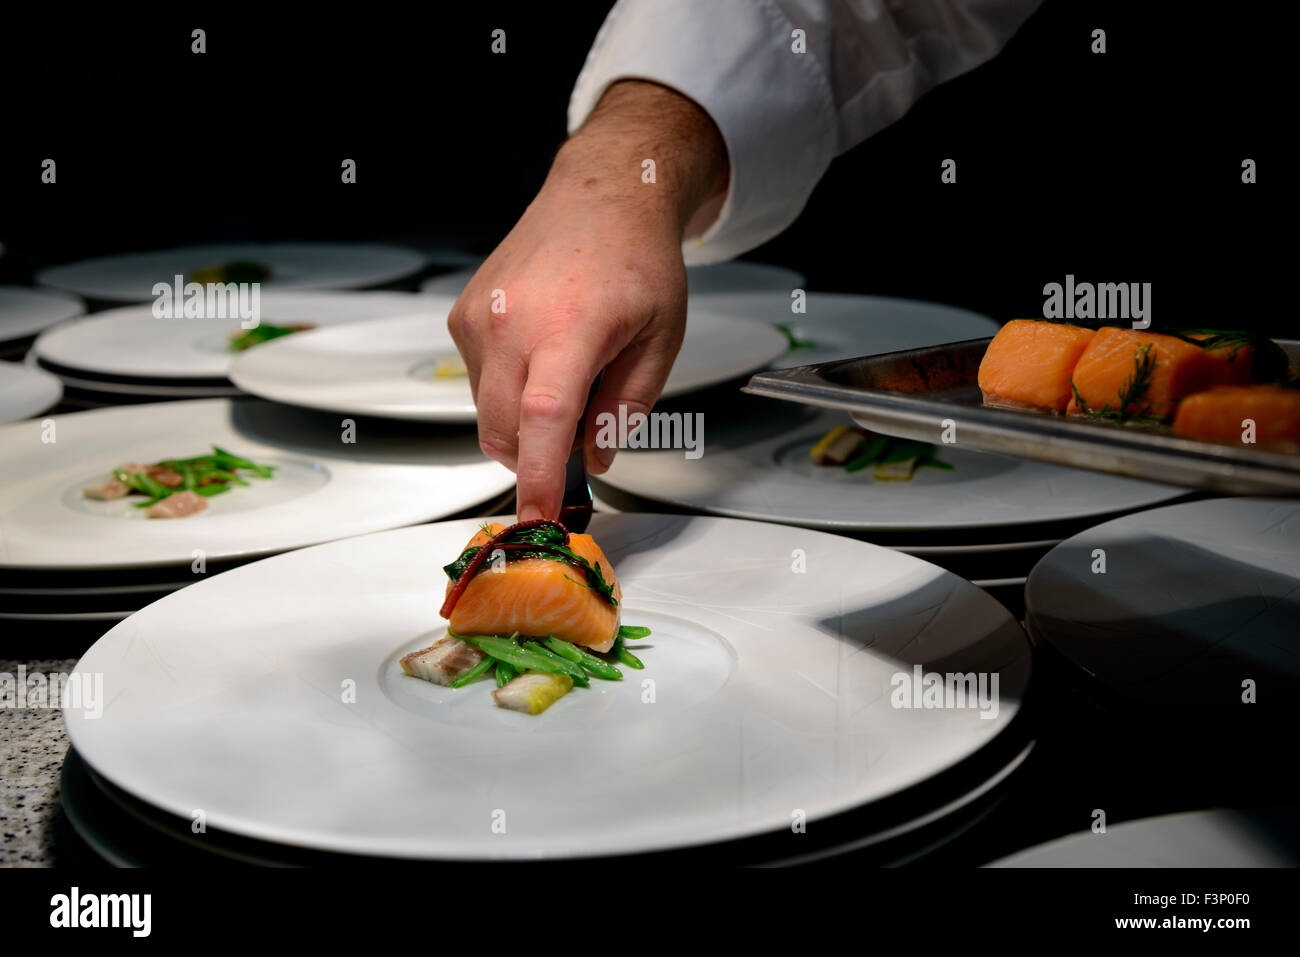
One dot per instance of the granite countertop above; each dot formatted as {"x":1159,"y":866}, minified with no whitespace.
{"x":34,"y":831}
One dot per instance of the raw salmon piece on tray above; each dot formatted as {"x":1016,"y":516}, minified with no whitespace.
{"x":1028,"y":364}
{"x":1153,"y":371}
{"x":540,"y":597}
{"x":1220,"y":414}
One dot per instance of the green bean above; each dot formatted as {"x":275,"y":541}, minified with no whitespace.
{"x":235,"y":461}
{"x":633,"y":632}
{"x":224,"y":475}
{"x":625,"y":656}
{"x":142,"y":483}
{"x":509,"y":651}
{"x":563,"y":648}
{"x":207,"y":491}
{"x":473,"y":673}
{"x":505,"y":673}
{"x":869,"y":454}
{"x":573,"y":671}
{"x":597,"y":666}
{"x":153,"y":487}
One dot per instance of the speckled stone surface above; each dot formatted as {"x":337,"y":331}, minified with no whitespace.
{"x":34,"y":832}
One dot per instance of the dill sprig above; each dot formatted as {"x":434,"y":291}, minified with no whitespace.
{"x":1134,"y":389}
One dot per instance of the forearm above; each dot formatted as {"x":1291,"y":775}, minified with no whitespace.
{"x":636,"y":121}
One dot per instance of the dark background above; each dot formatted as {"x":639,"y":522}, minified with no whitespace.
{"x":1123,"y":167}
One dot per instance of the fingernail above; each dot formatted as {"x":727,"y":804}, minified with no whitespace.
{"x":605,"y":456}
{"x":530,"y":513}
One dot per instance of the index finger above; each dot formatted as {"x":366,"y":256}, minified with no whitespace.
{"x":552,"y":402}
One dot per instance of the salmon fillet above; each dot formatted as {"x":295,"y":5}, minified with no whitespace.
{"x":1236,"y":362}
{"x":539,"y":596}
{"x":1028,"y":364}
{"x":1107,"y":367}
{"x":1219,"y":415}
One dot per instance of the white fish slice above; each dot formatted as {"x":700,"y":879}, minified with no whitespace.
{"x":442,"y":662}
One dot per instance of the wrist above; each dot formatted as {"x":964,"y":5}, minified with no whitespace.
{"x":651,"y":147}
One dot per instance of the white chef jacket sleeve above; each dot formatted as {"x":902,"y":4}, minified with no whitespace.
{"x":790,"y":83}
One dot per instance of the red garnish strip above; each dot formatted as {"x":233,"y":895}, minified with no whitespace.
{"x":477,"y":561}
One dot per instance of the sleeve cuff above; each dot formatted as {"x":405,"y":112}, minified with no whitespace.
{"x":734,"y":58}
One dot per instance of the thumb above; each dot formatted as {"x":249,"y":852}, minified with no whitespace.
{"x":632,"y":384}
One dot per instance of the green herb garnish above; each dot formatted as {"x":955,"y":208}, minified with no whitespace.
{"x":263,"y":332}
{"x":883,"y":450}
{"x":538,"y":541}
{"x":787,"y":329}
{"x":1134,"y":389}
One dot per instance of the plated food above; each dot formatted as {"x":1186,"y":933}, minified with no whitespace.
{"x":265,"y":332}
{"x":1234,"y":384}
{"x":177,"y":488}
{"x":239,"y":270}
{"x":760,"y":465}
{"x":771,"y":691}
{"x":131,"y":277}
{"x":403,"y":367}
{"x":855,"y":449}
{"x":533,"y":604}
{"x":130,"y":344}
{"x":324,"y":486}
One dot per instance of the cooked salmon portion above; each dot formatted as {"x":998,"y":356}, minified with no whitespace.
{"x":1235,"y":361}
{"x":539,"y":596}
{"x":1228,"y":412}
{"x":1152,"y":371}
{"x":1029,"y":362}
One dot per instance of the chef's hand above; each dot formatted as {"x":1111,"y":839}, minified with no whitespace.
{"x":590,"y":278}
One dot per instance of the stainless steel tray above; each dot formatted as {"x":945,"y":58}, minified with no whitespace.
{"x":921,"y":393}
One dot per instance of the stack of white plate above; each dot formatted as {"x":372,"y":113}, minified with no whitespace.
{"x":768,"y":723}
{"x":26,"y":312}
{"x":131,"y":277}
{"x":1257,"y":837}
{"x":728,"y":277}
{"x":128,"y":354}
{"x":25,"y":392}
{"x":989,"y":519}
{"x":1192,"y":610}
{"x":390,"y":368}
{"x":66,"y":558}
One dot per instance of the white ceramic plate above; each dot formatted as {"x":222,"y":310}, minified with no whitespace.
{"x":130,"y":277}
{"x":140,"y":836}
{"x":66,"y":616}
{"x":386,"y":367}
{"x":73,"y":591}
{"x":108,"y":390}
{"x":700,"y":280}
{"x":131,"y":341}
{"x":1194,"y":599}
{"x":756,"y":464}
{"x":1219,"y":838}
{"x":25,"y":392}
{"x":837,"y":326}
{"x":771,"y":696}
{"x":25,"y":312}
{"x":324,"y":489}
